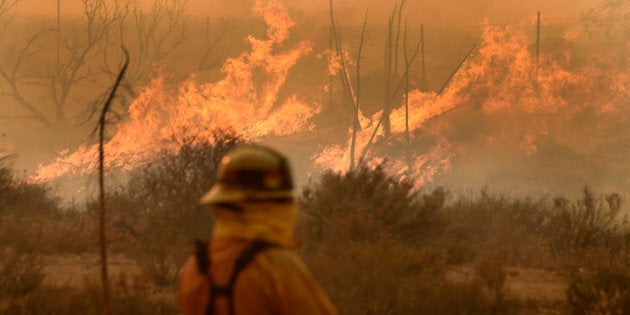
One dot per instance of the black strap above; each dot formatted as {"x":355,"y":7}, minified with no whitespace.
{"x":242,"y":261}
{"x":201,"y":252}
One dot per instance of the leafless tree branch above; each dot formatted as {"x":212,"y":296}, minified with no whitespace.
{"x":7,"y":14}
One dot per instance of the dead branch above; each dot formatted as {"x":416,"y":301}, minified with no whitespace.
{"x":365,"y":150}
{"x":407,"y":136}
{"x":345,"y":77}
{"x":355,"y":125}
{"x":389,"y":101}
{"x":13,"y":80}
{"x":160,"y":32}
{"x":388,"y":71}
{"x":7,"y":14}
{"x":101,"y":158}
{"x":459,"y":66}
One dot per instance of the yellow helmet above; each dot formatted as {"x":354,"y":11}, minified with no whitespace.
{"x":251,"y":172}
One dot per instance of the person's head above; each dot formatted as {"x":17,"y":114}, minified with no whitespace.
{"x":251,"y":173}
{"x":253,"y":196}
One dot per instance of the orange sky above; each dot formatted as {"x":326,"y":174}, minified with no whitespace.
{"x":437,"y":12}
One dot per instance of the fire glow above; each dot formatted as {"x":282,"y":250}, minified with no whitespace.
{"x":501,"y":77}
{"x":235,"y":104}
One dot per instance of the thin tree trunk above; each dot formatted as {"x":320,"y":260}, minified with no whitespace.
{"x":381,"y":121}
{"x":537,"y":38}
{"x":457,"y":69}
{"x":407,"y":137}
{"x":58,"y":31}
{"x":107,"y":304}
{"x":345,"y":80}
{"x":424,"y":74}
{"x":330,"y":76}
{"x":355,"y":125}
{"x":388,"y":74}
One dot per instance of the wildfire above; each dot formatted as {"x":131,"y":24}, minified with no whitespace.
{"x":523,"y":97}
{"x":503,"y":78}
{"x":237,"y":103}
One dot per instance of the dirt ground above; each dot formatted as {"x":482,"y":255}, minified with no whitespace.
{"x":72,"y":270}
{"x":540,"y":287}
{"x":544,"y":288}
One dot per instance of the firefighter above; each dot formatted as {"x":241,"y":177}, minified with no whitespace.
{"x":249,"y":265}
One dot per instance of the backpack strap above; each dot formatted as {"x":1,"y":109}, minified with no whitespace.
{"x":201,"y":252}
{"x":242,"y":261}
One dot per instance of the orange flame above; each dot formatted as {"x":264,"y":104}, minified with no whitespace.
{"x":502,"y":78}
{"x":236,"y":103}
{"x":509,"y":80}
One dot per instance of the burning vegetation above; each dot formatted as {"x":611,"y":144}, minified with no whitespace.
{"x":358,"y":111}
{"x":507,"y":100}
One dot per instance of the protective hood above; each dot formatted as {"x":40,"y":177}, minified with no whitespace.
{"x":267,"y":220}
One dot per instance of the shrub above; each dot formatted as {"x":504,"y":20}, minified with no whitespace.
{"x":157,"y":213}
{"x":130,"y":295}
{"x":493,"y":223}
{"x":589,"y":222}
{"x":20,"y":273}
{"x":354,"y":206}
{"x":605,"y":292}
{"x":20,"y":197}
{"x":362,"y":232}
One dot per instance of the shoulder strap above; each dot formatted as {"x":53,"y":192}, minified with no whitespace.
{"x":201,"y":252}
{"x":242,"y":261}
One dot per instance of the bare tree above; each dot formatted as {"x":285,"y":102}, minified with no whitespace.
{"x":63,"y":95}
{"x":159,"y":33}
{"x":609,"y":21}
{"x":158,"y":38}
{"x":7,"y":14}
{"x":357,"y":102}
{"x":353,"y":94}
{"x":391,"y":63}
{"x":64,"y":81}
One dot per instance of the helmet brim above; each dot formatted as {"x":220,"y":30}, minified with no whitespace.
{"x":221,"y":193}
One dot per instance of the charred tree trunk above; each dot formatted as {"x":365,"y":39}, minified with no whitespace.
{"x":355,"y":125}
{"x":107,"y":304}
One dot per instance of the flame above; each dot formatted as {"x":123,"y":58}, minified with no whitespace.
{"x":502,"y":77}
{"x":524,"y":97}
{"x":237,"y":103}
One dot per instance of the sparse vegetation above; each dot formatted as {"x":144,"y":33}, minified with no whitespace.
{"x":375,"y":243}
{"x":381,"y":246}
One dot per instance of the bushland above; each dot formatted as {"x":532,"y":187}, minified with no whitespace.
{"x":376,"y":244}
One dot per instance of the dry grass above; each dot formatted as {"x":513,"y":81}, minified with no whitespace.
{"x":375,"y":244}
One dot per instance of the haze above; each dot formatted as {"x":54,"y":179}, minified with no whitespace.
{"x":451,"y":27}
{"x":442,"y":13}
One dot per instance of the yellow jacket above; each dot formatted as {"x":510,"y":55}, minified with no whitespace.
{"x":275,"y":282}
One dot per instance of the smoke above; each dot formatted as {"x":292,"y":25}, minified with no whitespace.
{"x":440,"y":13}
{"x":508,"y":118}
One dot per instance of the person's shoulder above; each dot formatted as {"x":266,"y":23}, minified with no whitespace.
{"x":282,"y":255}
{"x":283,"y":260}
{"x":191,"y":286}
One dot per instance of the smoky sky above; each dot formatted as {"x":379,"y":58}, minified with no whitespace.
{"x":453,"y":27}
{"x":439,"y":13}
